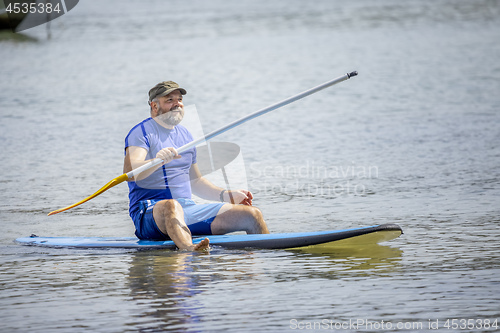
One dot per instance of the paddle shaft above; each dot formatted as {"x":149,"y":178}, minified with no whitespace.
{"x":240,"y":121}
{"x":157,"y":161}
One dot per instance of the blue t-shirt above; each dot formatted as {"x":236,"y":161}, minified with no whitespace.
{"x":171,"y":181}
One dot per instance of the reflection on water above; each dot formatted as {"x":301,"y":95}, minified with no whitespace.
{"x":172,"y":290}
{"x":164,"y":286}
{"x":361,"y":260}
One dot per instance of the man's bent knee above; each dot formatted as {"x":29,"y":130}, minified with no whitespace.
{"x":254,"y":213}
{"x":168,"y":214}
{"x":256,"y":222}
{"x":168,"y":207}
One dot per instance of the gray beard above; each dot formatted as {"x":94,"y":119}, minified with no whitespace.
{"x":171,"y":119}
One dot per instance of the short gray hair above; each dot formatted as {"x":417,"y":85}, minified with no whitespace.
{"x":154,"y":100}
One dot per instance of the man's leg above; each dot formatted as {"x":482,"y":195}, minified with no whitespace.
{"x":239,"y":218}
{"x":169,"y":217}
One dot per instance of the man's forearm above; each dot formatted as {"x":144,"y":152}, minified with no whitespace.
{"x":203,"y":188}
{"x":131,"y":165}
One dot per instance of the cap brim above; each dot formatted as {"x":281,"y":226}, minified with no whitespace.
{"x":183,"y":92}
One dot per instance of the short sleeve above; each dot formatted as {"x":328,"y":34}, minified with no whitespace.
{"x":137,"y":137}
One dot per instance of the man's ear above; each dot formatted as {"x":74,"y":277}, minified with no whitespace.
{"x":154,"y":109}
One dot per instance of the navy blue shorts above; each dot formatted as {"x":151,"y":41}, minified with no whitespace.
{"x":198,"y":218}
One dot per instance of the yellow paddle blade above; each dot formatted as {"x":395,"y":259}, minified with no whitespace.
{"x":106,"y":187}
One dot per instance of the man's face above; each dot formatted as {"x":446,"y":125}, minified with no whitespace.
{"x":169,"y":109}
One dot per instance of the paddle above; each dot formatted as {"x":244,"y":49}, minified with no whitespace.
{"x":157,"y":161}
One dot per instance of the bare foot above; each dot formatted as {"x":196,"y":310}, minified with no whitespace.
{"x":203,"y":245}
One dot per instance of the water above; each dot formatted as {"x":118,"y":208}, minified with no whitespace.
{"x":412,"y":140}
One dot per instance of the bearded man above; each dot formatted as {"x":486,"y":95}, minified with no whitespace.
{"x":161,"y":204}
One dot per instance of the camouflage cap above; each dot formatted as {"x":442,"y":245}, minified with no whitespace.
{"x":164,"y":88}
